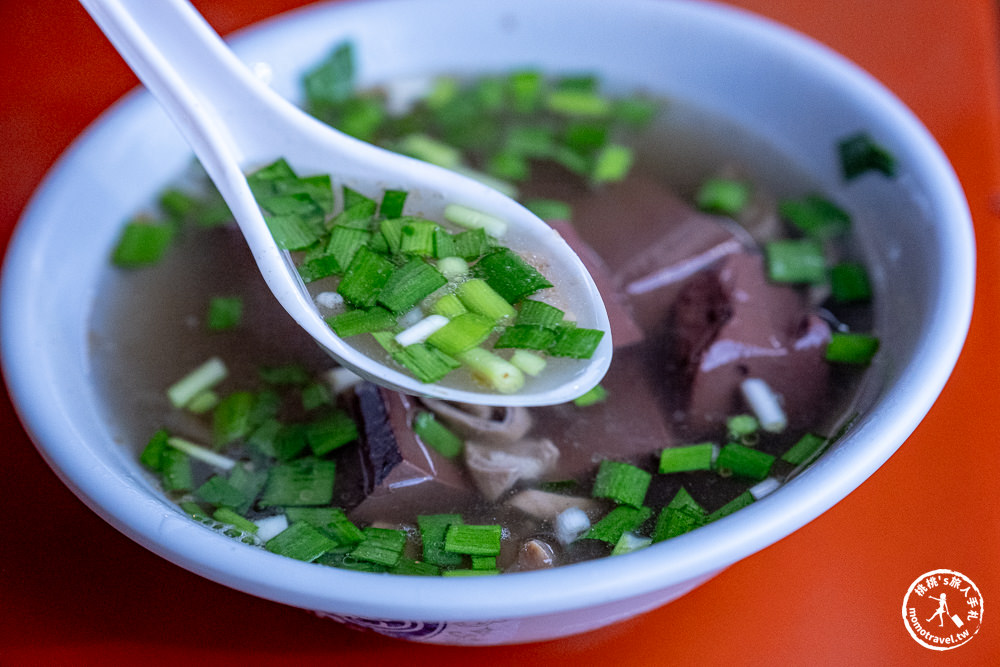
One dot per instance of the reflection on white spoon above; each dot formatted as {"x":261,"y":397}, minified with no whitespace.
{"x":235,"y":124}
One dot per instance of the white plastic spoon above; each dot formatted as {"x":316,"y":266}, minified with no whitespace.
{"x":236,"y":124}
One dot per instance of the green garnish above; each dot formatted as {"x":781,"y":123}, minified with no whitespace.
{"x":725,"y":196}
{"x":623,"y":483}
{"x":302,"y":482}
{"x":433,"y":528}
{"x":795,"y":261}
{"x":849,"y":283}
{"x":596,"y":394}
{"x":474,"y":540}
{"x":851,"y":348}
{"x":437,"y":435}
{"x":859,"y":154}
{"x":804,"y":449}
{"x":741,"y":461}
{"x":509,"y":275}
{"x":815,"y":216}
{"x":687,"y":458}
{"x":300,"y":541}
{"x":142,"y":243}
{"x":618,"y":521}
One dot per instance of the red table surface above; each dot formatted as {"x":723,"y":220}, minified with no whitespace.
{"x":75,"y":591}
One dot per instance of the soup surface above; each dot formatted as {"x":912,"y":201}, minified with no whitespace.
{"x":719,"y":390}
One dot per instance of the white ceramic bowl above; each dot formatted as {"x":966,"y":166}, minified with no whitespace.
{"x":916,"y":230}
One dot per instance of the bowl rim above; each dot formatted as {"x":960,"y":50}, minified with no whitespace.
{"x":586,"y":584}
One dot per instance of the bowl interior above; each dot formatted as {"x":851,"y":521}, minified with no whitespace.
{"x":915,"y":232}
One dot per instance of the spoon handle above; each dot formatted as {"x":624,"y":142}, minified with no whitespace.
{"x":190,"y":71}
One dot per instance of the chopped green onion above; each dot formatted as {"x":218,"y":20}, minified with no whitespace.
{"x":152,"y":453}
{"x":795,"y":261}
{"x":859,"y":153}
{"x":851,"y":348}
{"x":417,"y":237}
{"x":476,"y":295}
{"x":428,"y":364}
{"x":305,"y":481}
{"x":344,"y":242}
{"x":621,"y":519}
{"x":231,"y":418}
{"x":630,"y":542}
{"x":300,"y":541}
{"x":539,"y":313}
{"x":740,"y":426}
{"x":804,"y":449}
{"x":229,"y":517}
{"x":392,"y":203}
{"x":431,"y":150}
{"x":453,"y":267}
{"x":202,"y":402}
{"x":437,"y":435}
{"x":316,"y":265}
{"x":527,"y":337}
{"x":331,"y":432}
{"x":420,"y":331}
{"x":740,"y":461}
{"x":332,"y":81}
{"x":577,"y":103}
{"x":290,"y":441}
{"x":444,"y":245}
{"x":409,"y":284}
{"x":367,"y":273}
{"x":528,"y":362}
{"x":175,"y":468}
{"x":688,"y":457}
{"x":765,"y":403}
{"x":450,"y":306}
{"x":723,"y":195}
{"x":462,"y":333}
{"x":413,"y":568}
{"x":294,"y":232}
{"x":288,"y":374}
{"x":737,"y":503}
{"x":203,"y":454}
{"x":596,"y":394}
{"x":611,"y":164}
{"x":509,"y":275}
{"x":509,"y":166}
{"x":815,"y":216}
{"x":525,"y":90}
{"x":433,"y":528}
{"x":207,"y":375}
{"x":549,"y":209}
{"x":469,"y":218}
{"x":357,"y":214}
{"x":576,"y":342}
{"x":677,"y":520}
{"x":218,"y":491}
{"x":622,"y":482}
{"x":849,"y":283}
{"x":470,"y":244}
{"x":492,"y":370}
{"x":141,"y":243}
{"x":383,"y":546}
{"x":315,"y":395}
{"x":474,"y":540}
{"x":355,"y":322}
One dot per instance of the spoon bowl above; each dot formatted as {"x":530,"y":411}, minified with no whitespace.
{"x":235,"y":124}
